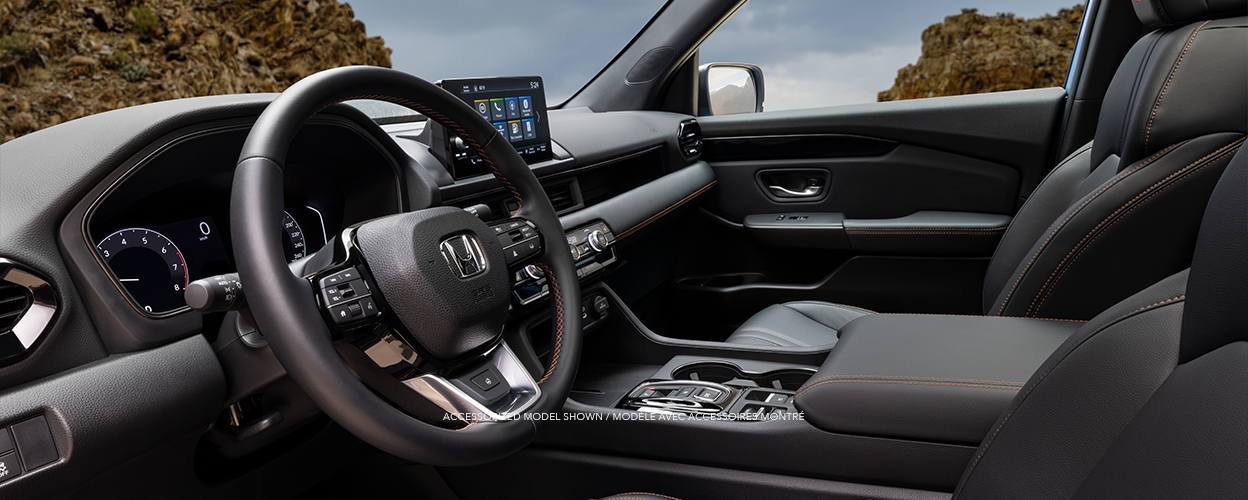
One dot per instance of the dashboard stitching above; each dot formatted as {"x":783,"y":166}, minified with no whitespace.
{"x":665,"y":211}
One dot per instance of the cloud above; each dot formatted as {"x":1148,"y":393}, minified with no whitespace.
{"x":816,"y":79}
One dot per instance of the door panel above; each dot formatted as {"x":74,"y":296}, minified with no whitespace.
{"x":905,"y":180}
{"x":973,"y":157}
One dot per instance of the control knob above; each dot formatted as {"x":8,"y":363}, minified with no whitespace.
{"x":597,"y":240}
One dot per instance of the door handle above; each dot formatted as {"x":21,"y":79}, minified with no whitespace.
{"x":782,"y":192}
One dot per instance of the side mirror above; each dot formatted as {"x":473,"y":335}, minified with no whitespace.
{"x":729,"y":89}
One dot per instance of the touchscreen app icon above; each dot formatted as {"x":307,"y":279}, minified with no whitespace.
{"x":530,"y":131}
{"x":497,"y":110}
{"x":515,"y":133}
{"x":483,"y":109}
{"x":513,"y":108}
{"x":526,"y":106}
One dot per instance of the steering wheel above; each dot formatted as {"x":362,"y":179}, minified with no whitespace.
{"x":436,"y":280}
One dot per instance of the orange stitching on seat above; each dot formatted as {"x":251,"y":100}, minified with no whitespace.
{"x":470,"y":424}
{"x":893,"y":382}
{"x":1073,"y":213}
{"x":1022,"y":397}
{"x":1167,"y":301}
{"x":439,"y":117}
{"x":776,"y":335}
{"x":901,"y":377}
{"x":1099,"y":231}
{"x":554,"y":290}
{"x":646,"y":222}
{"x":1156,"y":105}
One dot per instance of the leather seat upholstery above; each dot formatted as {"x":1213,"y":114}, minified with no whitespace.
{"x":1123,"y":211}
{"x":1147,"y":400}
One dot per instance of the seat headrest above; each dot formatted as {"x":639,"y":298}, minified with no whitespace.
{"x":1162,"y":13}
{"x":1216,"y":309}
{"x":1175,"y":85}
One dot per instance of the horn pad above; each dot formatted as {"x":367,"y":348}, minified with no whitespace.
{"x":443,"y":274}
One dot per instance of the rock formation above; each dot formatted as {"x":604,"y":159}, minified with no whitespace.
{"x":63,"y":59}
{"x":971,"y":53}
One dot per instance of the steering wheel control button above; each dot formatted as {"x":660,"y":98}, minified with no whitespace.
{"x":9,"y":468}
{"x":342,"y":314}
{"x":368,"y":306}
{"x":486,"y":380}
{"x":34,"y":443}
{"x":344,"y":276}
{"x":6,"y":442}
{"x":485,"y":385}
{"x":342,"y":293}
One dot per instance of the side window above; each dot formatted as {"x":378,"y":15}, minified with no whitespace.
{"x":814,"y":53}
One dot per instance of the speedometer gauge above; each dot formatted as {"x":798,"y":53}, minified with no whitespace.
{"x":294,"y":243}
{"x":149,"y":266}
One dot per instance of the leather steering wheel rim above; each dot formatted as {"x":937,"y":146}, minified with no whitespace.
{"x":287,"y":312}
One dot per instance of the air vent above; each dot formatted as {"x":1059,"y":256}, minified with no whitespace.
{"x":27,"y":305}
{"x":561,"y":197}
{"x":689,"y":135}
{"x":14,"y":299}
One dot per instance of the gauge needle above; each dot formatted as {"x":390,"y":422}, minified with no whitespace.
{"x":128,"y":279}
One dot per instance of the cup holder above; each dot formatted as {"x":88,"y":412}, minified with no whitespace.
{"x":788,"y":379}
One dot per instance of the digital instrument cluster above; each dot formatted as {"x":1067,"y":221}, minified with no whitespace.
{"x":155,"y":264}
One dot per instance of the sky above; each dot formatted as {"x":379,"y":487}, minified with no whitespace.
{"x":812,"y":52}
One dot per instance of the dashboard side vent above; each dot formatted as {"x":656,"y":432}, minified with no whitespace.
{"x":27,"y":305}
{"x":561,"y":197}
{"x":689,"y":135}
{"x":14,"y":300}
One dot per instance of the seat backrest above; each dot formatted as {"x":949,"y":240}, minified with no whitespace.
{"x":1122,"y":212}
{"x":1150,"y":398}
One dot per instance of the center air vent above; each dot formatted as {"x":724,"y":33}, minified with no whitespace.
{"x":562,"y":197}
{"x":690,"y":137}
{"x":27,"y":304}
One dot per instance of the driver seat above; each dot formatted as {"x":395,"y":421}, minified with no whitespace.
{"x":1149,"y":399}
{"x":1119,"y":213}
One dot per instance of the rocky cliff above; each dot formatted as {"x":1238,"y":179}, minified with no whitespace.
{"x":971,"y":53}
{"x":63,"y":59}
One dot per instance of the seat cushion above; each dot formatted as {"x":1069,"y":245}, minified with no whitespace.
{"x":639,"y":496}
{"x":803,"y":323}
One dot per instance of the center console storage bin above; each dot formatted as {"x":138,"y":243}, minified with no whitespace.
{"x":933,"y":378}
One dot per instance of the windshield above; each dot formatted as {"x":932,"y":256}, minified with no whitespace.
{"x":566,"y":42}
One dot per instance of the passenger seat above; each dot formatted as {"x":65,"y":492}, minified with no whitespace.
{"x":1121,"y":212}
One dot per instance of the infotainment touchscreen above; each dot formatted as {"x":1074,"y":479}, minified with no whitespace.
{"x":515,"y":105}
